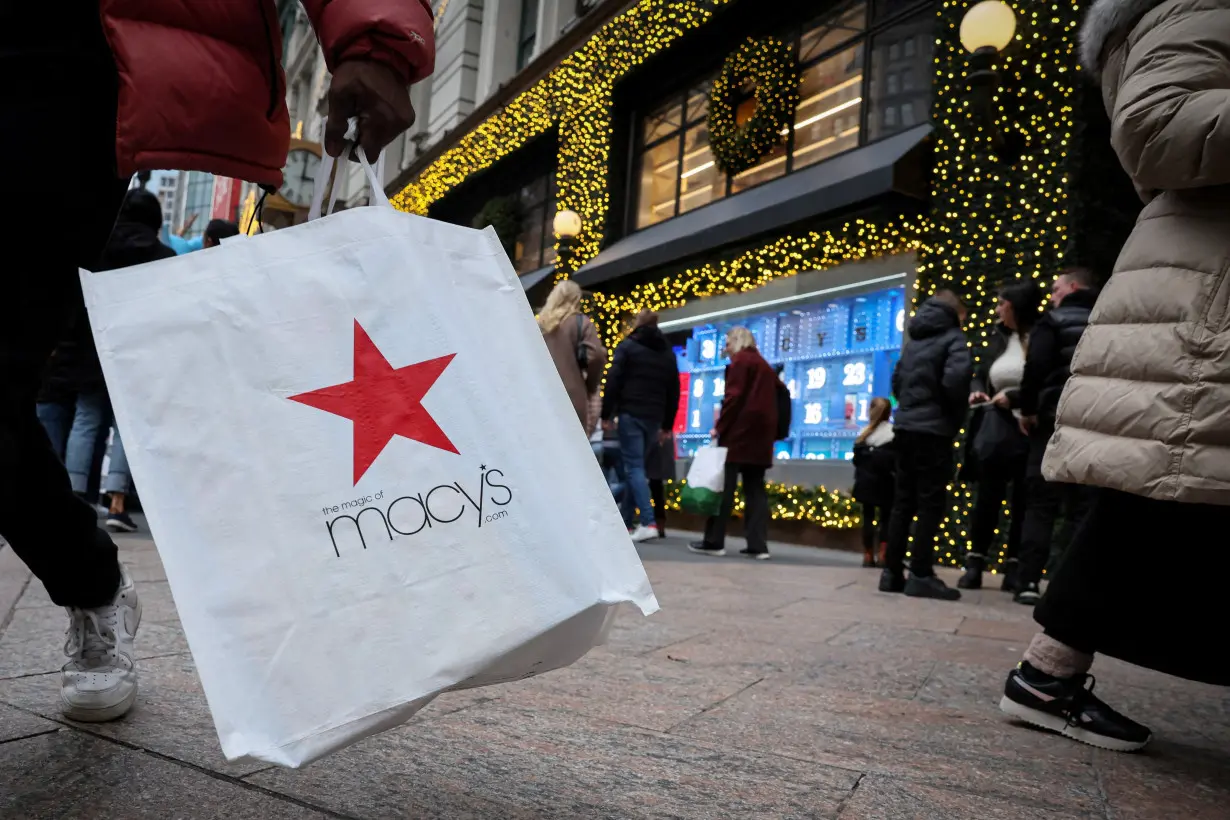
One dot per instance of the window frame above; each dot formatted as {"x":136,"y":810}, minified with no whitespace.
{"x":876,"y":22}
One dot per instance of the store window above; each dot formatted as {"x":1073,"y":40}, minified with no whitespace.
{"x":527,"y":37}
{"x":836,"y":356}
{"x":675,"y":170}
{"x":535,"y":243}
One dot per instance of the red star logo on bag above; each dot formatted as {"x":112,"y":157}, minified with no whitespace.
{"x":382,"y":401}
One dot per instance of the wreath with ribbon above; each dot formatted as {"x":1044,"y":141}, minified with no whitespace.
{"x":770,"y":66}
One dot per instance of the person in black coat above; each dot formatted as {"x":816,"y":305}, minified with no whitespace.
{"x":641,"y":399}
{"x":931,"y":383}
{"x":875,"y":473}
{"x":1047,"y":368}
{"x":995,"y":454}
{"x":134,"y":241}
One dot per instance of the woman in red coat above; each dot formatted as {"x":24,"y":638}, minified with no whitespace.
{"x":746,"y":427}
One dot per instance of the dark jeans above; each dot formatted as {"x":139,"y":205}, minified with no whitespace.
{"x":57,"y":132}
{"x":636,"y":438}
{"x":924,"y":470}
{"x":755,"y":513}
{"x":57,"y":420}
{"x":999,"y":482}
{"x":875,"y":525}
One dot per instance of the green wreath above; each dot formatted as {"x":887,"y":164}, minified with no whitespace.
{"x":771,"y":67}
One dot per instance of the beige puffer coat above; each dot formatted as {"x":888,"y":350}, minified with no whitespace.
{"x":1147,"y":410}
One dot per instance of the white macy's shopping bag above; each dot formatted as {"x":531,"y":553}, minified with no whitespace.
{"x":363,"y":475}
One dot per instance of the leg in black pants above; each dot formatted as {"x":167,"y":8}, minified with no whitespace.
{"x":64,"y":108}
{"x":657,"y":489}
{"x":875,"y":530}
{"x":756,"y":510}
{"x":924,"y":469}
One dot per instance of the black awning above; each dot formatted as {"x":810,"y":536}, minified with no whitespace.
{"x":829,"y":186}
{"x":532,"y":278}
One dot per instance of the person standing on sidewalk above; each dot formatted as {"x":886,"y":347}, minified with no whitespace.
{"x":746,"y":427}
{"x":640,"y":402}
{"x":1143,"y":418}
{"x":875,"y":475}
{"x":931,"y":383}
{"x":106,"y":89}
{"x":1047,"y":369}
{"x":578,"y":353}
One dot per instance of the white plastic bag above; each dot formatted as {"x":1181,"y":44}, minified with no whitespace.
{"x":365,"y":480}
{"x":702,"y":494}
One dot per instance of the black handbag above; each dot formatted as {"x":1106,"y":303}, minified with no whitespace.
{"x":998,"y":437}
{"x":582,"y":351}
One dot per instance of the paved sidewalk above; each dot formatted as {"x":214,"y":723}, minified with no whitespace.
{"x":763,"y":690}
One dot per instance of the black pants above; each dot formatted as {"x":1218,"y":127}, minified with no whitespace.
{"x":755,"y":514}
{"x":657,"y":490}
{"x":1047,"y":500}
{"x":875,"y":525}
{"x":1144,"y":581}
{"x":999,"y":482}
{"x":924,"y":470}
{"x":57,"y":135}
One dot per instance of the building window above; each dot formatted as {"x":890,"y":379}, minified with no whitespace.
{"x":894,"y":106}
{"x":527,"y":37}
{"x":198,"y":202}
{"x":675,"y":171}
{"x":535,"y":243}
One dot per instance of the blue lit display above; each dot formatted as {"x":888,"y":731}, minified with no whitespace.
{"x":836,"y":356}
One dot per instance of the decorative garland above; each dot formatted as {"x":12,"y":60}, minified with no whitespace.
{"x":770,"y":65}
{"x":816,"y":505}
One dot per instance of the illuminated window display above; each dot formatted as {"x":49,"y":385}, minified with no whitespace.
{"x":835,"y":357}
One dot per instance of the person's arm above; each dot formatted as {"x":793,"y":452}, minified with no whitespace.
{"x":734,"y":398}
{"x":958,"y":372}
{"x":614,"y":383}
{"x":596,"y":356}
{"x":397,"y":33}
{"x":1041,"y":360}
{"x":1169,"y":126}
{"x":671,"y":386}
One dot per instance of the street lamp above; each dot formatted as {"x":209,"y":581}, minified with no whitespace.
{"x":987,"y":29}
{"x":567,"y":225}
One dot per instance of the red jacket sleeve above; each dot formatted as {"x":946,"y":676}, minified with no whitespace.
{"x":398,"y":33}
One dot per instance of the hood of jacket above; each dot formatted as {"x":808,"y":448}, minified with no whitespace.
{"x":1106,"y":21}
{"x":132,"y":243}
{"x":932,"y":319}
{"x":649,"y":336}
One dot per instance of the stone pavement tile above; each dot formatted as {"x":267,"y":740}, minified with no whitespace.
{"x":1020,"y":633}
{"x":965,"y":686}
{"x":882,"y":639}
{"x":34,"y":642}
{"x":893,"y":610}
{"x":546,"y":763}
{"x":634,"y":633}
{"x":950,"y":748}
{"x":14,"y":723}
{"x":762,"y":645}
{"x":1166,"y":781}
{"x":14,"y":578}
{"x":1199,"y":716}
{"x":882,"y":798}
{"x":648,"y":692}
{"x":170,"y":717}
{"x":73,"y":775}
{"x":881,"y":676}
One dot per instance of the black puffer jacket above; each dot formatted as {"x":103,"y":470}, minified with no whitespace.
{"x":932,"y":380}
{"x":1052,"y":344}
{"x":644,"y":379}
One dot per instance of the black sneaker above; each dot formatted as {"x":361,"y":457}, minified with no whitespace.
{"x":974,"y":566}
{"x":120,"y":522}
{"x":930,"y":586}
{"x":1012,"y":575}
{"x":1069,"y":707}
{"x":759,"y":556}
{"x":1028,"y":594}
{"x":892,"y":581}
{"x":701,"y":548}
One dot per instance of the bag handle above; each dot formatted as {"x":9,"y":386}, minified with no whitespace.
{"x":326,"y":170}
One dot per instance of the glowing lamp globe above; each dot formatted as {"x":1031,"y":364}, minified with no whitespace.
{"x":989,"y":24}
{"x":567,"y":224}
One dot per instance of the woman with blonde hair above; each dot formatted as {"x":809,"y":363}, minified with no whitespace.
{"x":875,"y":472}
{"x":578,"y":353}
{"x":746,"y":427}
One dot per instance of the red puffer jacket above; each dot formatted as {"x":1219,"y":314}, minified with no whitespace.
{"x":201,"y":85}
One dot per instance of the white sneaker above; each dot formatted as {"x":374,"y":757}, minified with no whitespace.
{"x":100,"y":682}
{"x":643,"y":533}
